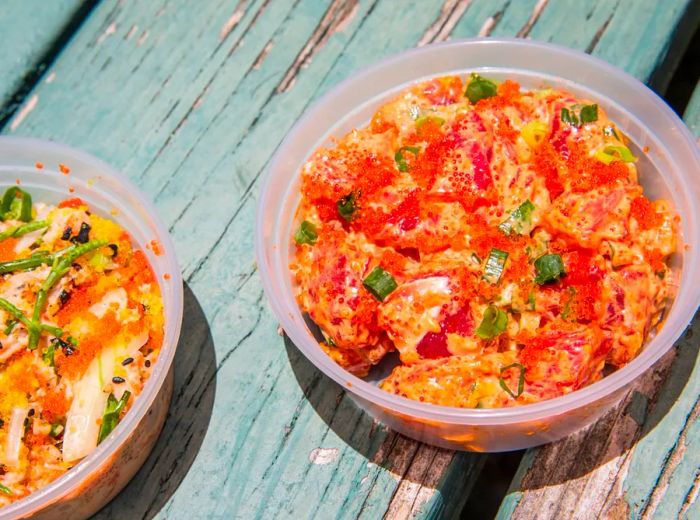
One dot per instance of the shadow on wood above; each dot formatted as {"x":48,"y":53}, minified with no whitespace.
{"x":185,"y":426}
{"x":649,"y":400}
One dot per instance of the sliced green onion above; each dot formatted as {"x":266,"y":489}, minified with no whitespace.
{"x":476,"y":258}
{"x":520,"y":219}
{"x":429,"y":119}
{"x":521,"y":380}
{"x":586,"y":114}
{"x":306,"y":234}
{"x":549,"y":268}
{"x":531,"y":300}
{"x":56,"y":429}
{"x":24,"y":264}
{"x":16,"y":204}
{"x":480,"y":88}
{"x":495,"y":264}
{"x":10,"y":325}
{"x":110,"y":419}
{"x":6,"y":490}
{"x":61,"y":265}
{"x":48,"y":354}
{"x":347,"y":206}
{"x":613,"y":153}
{"x":401,"y":160}
{"x":380,"y":283}
{"x":23,"y":229}
{"x":493,"y":323}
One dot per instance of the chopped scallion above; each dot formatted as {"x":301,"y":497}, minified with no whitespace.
{"x":306,"y":234}
{"x":495,"y":263}
{"x":520,"y":220}
{"x":347,"y":206}
{"x":493,"y":323}
{"x":480,"y":88}
{"x":401,"y":163}
{"x":380,"y":283}
{"x":613,"y":153}
{"x":586,"y":114}
{"x":521,"y":380}
{"x":16,"y":205}
{"x":429,"y":119}
{"x":549,"y":268}
{"x":6,"y":490}
{"x":110,"y":419}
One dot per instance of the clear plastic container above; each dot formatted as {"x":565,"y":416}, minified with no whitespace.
{"x":97,"y":478}
{"x":670,"y":169}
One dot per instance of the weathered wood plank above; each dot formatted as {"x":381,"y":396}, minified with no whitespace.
{"x":190,"y":100}
{"x":32,"y":32}
{"x":641,"y":460}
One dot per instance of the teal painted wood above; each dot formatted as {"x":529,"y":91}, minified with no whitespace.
{"x":641,"y":461}
{"x":29,"y":30}
{"x":190,"y":100}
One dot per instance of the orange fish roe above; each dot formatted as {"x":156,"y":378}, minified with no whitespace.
{"x":39,"y":165}
{"x":72,"y":203}
{"x":7,"y":249}
{"x":64,"y":169}
{"x":642,"y":210}
{"x":75,"y":364}
{"x":472,"y":231}
{"x":156,"y":247}
{"x":54,"y":405}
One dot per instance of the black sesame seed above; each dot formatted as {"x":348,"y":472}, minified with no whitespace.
{"x":63,"y":296}
{"x":83,"y":235}
{"x":127,"y":361}
{"x":31,"y":412}
{"x":114,"y":248}
{"x":67,"y":233}
{"x":117,"y":379}
{"x":148,"y":363}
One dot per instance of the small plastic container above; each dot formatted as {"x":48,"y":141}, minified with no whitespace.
{"x":97,"y":478}
{"x":670,"y":169}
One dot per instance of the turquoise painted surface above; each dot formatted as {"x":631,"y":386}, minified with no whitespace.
{"x":190,"y":100}
{"x":25,"y":43}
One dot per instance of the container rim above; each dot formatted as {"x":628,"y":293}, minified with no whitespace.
{"x":679,"y":318}
{"x":78,"y":473}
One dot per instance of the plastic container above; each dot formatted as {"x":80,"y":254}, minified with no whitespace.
{"x":670,"y":169}
{"x":97,"y":478}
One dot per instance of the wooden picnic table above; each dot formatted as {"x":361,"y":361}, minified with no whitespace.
{"x":190,"y":99}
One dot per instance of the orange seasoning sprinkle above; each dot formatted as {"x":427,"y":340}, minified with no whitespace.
{"x":64,"y":169}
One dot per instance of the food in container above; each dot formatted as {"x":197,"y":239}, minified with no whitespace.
{"x":497,"y":237}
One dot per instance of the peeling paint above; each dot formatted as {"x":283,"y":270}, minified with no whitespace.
{"x":110,"y":30}
{"x":26,"y":109}
{"x":231,"y":23}
{"x":321,"y":456}
{"x":50,"y":77}
{"x":142,"y":38}
{"x":131,"y":32}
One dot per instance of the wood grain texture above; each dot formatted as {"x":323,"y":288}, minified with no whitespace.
{"x":190,"y":99}
{"x":32,"y":32}
{"x":641,"y":460}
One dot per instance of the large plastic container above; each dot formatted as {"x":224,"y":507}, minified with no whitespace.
{"x":670,"y":169}
{"x":101,"y":475}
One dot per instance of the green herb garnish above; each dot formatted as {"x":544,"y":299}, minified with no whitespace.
{"x":110,"y":419}
{"x":380,"y":283}
{"x":549,"y":268}
{"x":613,"y":153}
{"x":347,"y":206}
{"x":16,"y":205}
{"x":401,"y":163}
{"x":60,"y":267}
{"x":480,"y":88}
{"x":306,"y":234}
{"x":429,"y":119}
{"x":23,"y":229}
{"x":493,"y":323}
{"x":521,"y":380}
{"x":56,"y":429}
{"x":520,"y":219}
{"x":495,"y":263}
{"x":585,"y":114}
{"x":6,"y":490}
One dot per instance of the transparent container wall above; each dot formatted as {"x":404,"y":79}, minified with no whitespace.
{"x":111,"y":195}
{"x":670,"y":169}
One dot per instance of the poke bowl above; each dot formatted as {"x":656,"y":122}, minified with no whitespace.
{"x":668,"y":167}
{"x":57,"y":176}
